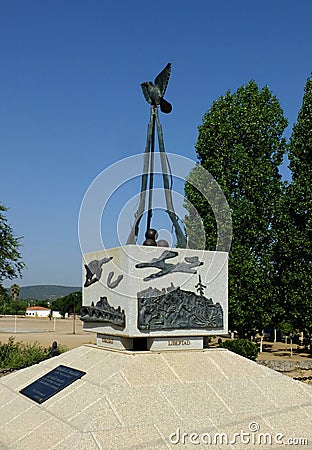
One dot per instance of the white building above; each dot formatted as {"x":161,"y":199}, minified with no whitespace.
{"x":41,"y":311}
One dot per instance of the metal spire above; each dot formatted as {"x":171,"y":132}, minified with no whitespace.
{"x":154,"y":95}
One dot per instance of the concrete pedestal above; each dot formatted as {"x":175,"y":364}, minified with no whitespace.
{"x":156,"y":400}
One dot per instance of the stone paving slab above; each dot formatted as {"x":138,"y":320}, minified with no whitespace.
{"x":140,"y":371}
{"x":136,"y":437}
{"x":137,"y":400}
{"x":283,"y":394}
{"x":20,"y":424}
{"x":43,"y":435}
{"x":75,"y":399}
{"x":242,"y":395}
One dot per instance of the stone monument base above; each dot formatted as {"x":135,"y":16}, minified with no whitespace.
{"x":156,"y":401}
{"x":150,"y":343}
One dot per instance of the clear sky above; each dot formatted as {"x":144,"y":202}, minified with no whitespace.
{"x":71,"y":103}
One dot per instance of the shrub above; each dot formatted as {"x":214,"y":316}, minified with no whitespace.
{"x":18,"y":354}
{"x":242,"y":347}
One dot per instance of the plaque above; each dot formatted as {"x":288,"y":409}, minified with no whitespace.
{"x":51,"y":383}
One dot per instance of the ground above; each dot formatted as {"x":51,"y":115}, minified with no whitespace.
{"x":66,"y":332}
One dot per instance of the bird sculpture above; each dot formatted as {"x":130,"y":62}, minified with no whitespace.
{"x":154,"y":92}
{"x":154,"y":95}
{"x":94,"y":270}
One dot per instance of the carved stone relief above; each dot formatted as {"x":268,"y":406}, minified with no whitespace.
{"x":103,"y":312}
{"x":174,"y":308}
{"x":165,"y":268}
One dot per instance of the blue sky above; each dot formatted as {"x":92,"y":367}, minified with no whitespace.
{"x":71,"y":103}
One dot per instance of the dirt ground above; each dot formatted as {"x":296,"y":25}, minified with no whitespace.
{"x":65,"y":332}
{"x":280,"y":350}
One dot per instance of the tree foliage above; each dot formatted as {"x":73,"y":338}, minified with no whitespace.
{"x":294,"y":250}
{"x":4,"y":299}
{"x":10,"y":258}
{"x":240,"y":143}
{"x":15,"y":290}
{"x":68,"y":304}
{"x":9,"y":306}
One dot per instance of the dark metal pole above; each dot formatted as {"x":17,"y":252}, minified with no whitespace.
{"x":132,"y":238}
{"x":181,"y":238}
{"x":151,"y":173}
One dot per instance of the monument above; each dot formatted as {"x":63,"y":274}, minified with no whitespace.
{"x":151,"y":296}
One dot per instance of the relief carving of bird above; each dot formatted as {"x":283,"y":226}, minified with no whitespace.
{"x":94,"y":270}
{"x":154,"y":92}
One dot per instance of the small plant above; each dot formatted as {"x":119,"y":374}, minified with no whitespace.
{"x":18,"y":354}
{"x":242,"y":347}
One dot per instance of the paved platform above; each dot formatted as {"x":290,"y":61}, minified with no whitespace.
{"x":157,"y":400}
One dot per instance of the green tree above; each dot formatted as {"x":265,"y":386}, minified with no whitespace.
{"x":4,"y":299}
{"x":10,"y":258}
{"x":43,"y":303}
{"x":68,"y":304}
{"x":295,"y":246}
{"x":11,"y":307}
{"x":240,"y":144}
{"x":15,"y":290}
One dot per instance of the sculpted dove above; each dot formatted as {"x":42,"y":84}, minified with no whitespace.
{"x":154,"y":92}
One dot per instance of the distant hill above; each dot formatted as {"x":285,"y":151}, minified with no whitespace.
{"x":46,"y":291}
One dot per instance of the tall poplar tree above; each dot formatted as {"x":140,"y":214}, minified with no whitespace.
{"x":298,"y":203}
{"x":240,"y":144}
